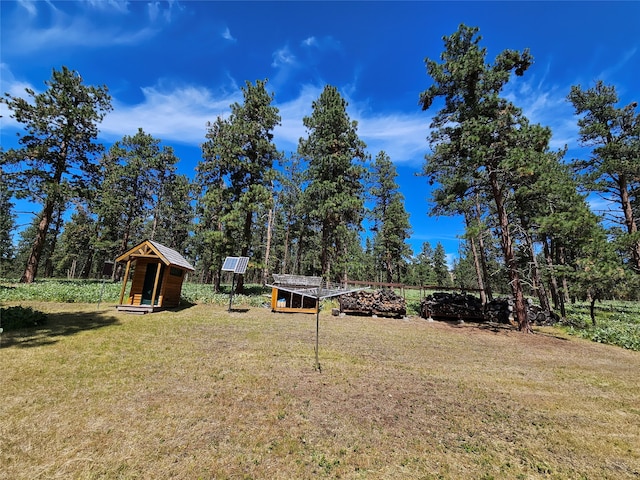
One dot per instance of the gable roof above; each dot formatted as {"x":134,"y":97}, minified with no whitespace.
{"x":149,"y":248}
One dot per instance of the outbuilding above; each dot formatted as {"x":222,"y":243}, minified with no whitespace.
{"x":158,"y":273}
{"x":295,"y":293}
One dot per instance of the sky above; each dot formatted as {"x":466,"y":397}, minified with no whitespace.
{"x":171,"y":67}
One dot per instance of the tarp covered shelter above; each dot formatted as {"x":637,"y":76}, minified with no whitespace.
{"x":157,"y":277}
{"x":294,"y":293}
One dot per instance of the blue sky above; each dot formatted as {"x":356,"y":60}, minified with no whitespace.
{"x":173,"y":66}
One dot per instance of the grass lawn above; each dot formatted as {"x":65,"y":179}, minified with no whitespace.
{"x":203,"y":393}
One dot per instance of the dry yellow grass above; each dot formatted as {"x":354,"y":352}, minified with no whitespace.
{"x":201,"y":393}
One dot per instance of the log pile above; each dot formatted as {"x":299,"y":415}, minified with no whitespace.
{"x":499,"y":310}
{"x":384,"y":302}
{"x":451,"y":306}
{"x":458,"y":306}
{"x":537,"y":316}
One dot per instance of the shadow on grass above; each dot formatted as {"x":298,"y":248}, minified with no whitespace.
{"x":58,"y":325}
{"x":238,"y":310}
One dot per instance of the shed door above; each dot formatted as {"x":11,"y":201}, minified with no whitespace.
{"x":149,"y":279}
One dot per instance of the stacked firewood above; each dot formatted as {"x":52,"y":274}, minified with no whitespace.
{"x":384,"y":302}
{"x":499,"y":310}
{"x":451,"y":305}
{"x":537,"y":315}
{"x":467,"y":307}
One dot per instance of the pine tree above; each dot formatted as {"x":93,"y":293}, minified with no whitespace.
{"x":391,"y":220}
{"x":7,"y":225}
{"x":55,"y":161}
{"x":334,"y":197}
{"x":614,"y":167}
{"x":440,"y":267}
{"x":476,"y":129}
{"x":238,"y":159}
{"x":132,"y":172}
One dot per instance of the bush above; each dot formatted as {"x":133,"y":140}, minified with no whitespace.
{"x":13,"y":318}
{"x":617,"y":323}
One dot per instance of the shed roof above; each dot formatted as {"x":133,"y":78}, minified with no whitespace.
{"x":149,"y":248}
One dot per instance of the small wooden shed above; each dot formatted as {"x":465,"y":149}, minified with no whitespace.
{"x":158,"y":273}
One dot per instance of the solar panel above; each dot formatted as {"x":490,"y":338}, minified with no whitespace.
{"x":241,"y":266}
{"x":235,"y":264}
{"x":230,"y":264}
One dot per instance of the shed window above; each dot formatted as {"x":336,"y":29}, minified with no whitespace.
{"x":176,"y":272}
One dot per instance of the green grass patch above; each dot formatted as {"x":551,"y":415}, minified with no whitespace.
{"x":617,"y":322}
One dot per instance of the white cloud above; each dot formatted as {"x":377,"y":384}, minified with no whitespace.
{"x":547,"y":105}
{"x":283,"y":57}
{"x":29,"y":6}
{"x":402,"y":136}
{"x":226,"y":34}
{"x":14,"y":87}
{"x":174,"y":115}
{"x":321,"y":43}
{"x":75,"y":32}
{"x":292,"y":112}
{"x":622,"y":63}
{"x":310,"y":42}
{"x":25,"y":35}
{"x":179,"y":113}
{"x":120,"y":6}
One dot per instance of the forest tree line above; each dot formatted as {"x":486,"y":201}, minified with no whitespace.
{"x":330,"y":209}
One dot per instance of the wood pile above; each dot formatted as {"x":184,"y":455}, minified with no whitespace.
{"x":451,"y":306}
{"x":537,"y":316}
{"x":467,"y":307}
{"x":384,"y":302}
{"x":499,"y":310}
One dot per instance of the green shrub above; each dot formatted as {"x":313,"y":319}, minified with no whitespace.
{"x":13,"y":318}
{"x":617,"y":323}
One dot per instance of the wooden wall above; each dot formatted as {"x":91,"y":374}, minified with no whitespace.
{"x":170,"y":289}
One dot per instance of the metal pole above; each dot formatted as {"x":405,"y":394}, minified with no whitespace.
{"x":233,"y":279}
{"x":101,"y":293}
{"x":318,"y":330}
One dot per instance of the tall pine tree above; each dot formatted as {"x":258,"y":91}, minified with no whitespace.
{"x":238,"y":160}
{"x":474,"y":132}
{"x":334,"y":198}
{"x":56,"y":156}
{"x":391,"y":220}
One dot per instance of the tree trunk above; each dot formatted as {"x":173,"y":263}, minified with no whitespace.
{"x":58,"y":222}
{"x":565,"y":285}
{"x":265,"y":272}
{"x":246,"y":234}
{"x":520,"y":309}
{"x":483,"y":256}
{"x":324,"y":258}
{"x":538,"y":283}
{"x":478,"y":267}
{"x":285,"y":253}
{"x":88,"y":264}
{"x":31,"y":270}
{"x":555,"y":294}
{"x":592,"y":309}
{"x":629,"y":220}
